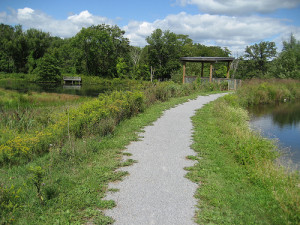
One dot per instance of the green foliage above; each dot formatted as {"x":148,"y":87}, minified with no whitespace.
{"x":122,"y":68}
{"x":37,"y":175}
{"x":254,"y":92}
{"x":260,"y":54}
{"x":97,"y":116}
{"x":48,"y":68}
{"x":98,"y":49}
{"x":240,"y":183}
{"x":103,"y":51}
{"x":261,"y":61}
{"x":9,"y":203}
{"x":288,"y":62}
{"x":164,"y":51}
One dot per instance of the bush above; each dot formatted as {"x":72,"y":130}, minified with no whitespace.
{"x":9,"y":202}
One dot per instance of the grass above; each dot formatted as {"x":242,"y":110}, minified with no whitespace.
{"x":239,"y":183}
{"x":257,"y":91}
{"x":75,"y":175}
{"x":25,"y":113}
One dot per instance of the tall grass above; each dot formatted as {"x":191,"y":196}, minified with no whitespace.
{"x":256,"y":91}
{"x":99,"y":115}
{"x":241,"y":183}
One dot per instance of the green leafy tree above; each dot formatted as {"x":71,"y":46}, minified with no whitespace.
{"x":260,"y":55}
{"x":19,"y":50}
{"x":48,"y":67}
{"x":288,"y":63}
{"x":38,"y":42}
{"x":164,"y":51}
{"x":6,"y":60}
{"x":98,"y":49}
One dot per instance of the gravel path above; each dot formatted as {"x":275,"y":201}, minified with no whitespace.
{"x":156,"y":191}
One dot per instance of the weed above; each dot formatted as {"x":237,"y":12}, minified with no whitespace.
{"x":37,"y":176}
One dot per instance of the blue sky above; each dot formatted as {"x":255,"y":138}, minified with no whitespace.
{"x":226,"y":23}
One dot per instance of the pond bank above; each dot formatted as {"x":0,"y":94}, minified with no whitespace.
{"x":239,"y":181}
{"x":281,"y":123}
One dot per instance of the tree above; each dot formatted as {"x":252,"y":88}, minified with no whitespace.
{"x":164,"y":52}
{"x":48,"y":67}
{"x":259,"y":55}
{"x":18,"y":50}
{"x":6,"y":61}
{"x":38,"y":42}
{"x":98,"y":49}
{"x":288,"y":63}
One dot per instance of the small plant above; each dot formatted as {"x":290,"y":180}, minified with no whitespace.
{"x":37,"y":175}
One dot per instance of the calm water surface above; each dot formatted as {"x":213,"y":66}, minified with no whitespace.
{"x":84,"y":90}
{"x":281,"y":122}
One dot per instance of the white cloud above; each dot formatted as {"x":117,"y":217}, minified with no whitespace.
{"x":30,"y":18}
{"x":25,"y":14}
{"x":137,"y":32}
{"x":240,"y":7}
{"x":225,"y":31}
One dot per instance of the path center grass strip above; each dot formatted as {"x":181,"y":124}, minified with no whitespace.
{"x":239,"y":183}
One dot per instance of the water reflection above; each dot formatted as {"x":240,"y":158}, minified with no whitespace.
{"x":281,"y":122}
{"x":83,"y":90}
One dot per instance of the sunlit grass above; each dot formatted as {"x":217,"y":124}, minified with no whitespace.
{"x":240,"y":183}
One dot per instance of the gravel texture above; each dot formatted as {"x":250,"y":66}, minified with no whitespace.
{"x":156,"y":191}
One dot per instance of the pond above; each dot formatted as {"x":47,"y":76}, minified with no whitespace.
{"x":281,"y":122}
{"x":83,"y":90}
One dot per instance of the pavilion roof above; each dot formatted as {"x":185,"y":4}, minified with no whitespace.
{"x":207,"y":59}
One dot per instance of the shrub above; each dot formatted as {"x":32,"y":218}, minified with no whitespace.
{"x":9,"y":202}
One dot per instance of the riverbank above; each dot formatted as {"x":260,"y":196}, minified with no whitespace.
{"x":239,"y":180}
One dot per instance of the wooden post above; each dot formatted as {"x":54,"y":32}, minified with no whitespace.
{"x":210,"y":73}
{"x":183,"y":77}
{"x":228,"y":66}
{"x":202,"y":69}
{"x":151,"y":74}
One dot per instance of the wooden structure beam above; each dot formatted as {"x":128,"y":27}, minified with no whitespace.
{"x":203,"y":60}
{"x":183,"y":79}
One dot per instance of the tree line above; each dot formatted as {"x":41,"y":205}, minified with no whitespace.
{"x":102,"y":50}
{"x":263,"y":61}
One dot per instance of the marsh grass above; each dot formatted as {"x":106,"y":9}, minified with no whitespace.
{"x":27,"y":113}
{"x":257,"y":91}
{"x":240,"y":183}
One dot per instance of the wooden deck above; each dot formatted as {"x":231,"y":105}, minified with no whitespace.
{"x":72,"y":80}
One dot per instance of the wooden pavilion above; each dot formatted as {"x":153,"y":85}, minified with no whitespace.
{"x":203,"y":60}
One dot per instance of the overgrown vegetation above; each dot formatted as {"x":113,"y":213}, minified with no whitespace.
{"x":269,"y":91}
{"x":241,"y":181}
{"x":57,"y":170}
